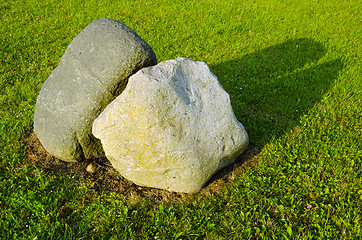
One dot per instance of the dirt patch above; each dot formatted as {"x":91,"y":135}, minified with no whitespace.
{"x":101,"y":176}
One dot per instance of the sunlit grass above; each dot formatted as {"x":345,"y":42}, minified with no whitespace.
{"x":293,"y":72}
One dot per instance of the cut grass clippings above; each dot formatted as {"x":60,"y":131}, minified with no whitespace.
{"x":105,"y":178}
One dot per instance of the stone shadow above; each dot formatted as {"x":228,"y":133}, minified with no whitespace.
{"x":271,"y":89}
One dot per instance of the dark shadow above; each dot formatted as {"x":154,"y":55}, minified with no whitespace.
{"x":271,"y":89}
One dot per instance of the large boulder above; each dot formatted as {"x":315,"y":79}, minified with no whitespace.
{"x":172,"y":127}
{"x":93,"y":71}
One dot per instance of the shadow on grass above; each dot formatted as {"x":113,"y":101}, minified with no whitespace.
{"x":270,"y":90}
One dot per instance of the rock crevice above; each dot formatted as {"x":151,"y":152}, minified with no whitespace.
{"x":93,"y":70}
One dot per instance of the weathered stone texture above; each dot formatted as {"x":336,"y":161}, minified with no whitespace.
{"x":93,"y":71}
{"x":172,"y":127}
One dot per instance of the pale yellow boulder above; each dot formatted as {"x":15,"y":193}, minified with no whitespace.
{"x":172,"y":127}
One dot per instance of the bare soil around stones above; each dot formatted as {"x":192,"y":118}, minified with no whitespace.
{"x":98,"y":174}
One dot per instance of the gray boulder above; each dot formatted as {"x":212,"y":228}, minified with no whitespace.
{"x":93,"y":71}
{"x":172,"y":128}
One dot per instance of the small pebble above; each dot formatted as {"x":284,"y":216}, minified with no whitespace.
{"x":91,"y":168}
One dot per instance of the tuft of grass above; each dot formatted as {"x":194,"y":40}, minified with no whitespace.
{"x":293,"y":72}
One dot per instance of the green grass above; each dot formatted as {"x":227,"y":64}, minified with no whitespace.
{"x":293,"y":72}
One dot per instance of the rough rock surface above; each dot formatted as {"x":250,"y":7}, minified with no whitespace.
{"x":172,"y":127}
{"x":93,"y":71}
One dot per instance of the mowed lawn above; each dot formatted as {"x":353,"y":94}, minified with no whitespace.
{"x":293,"y":72}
